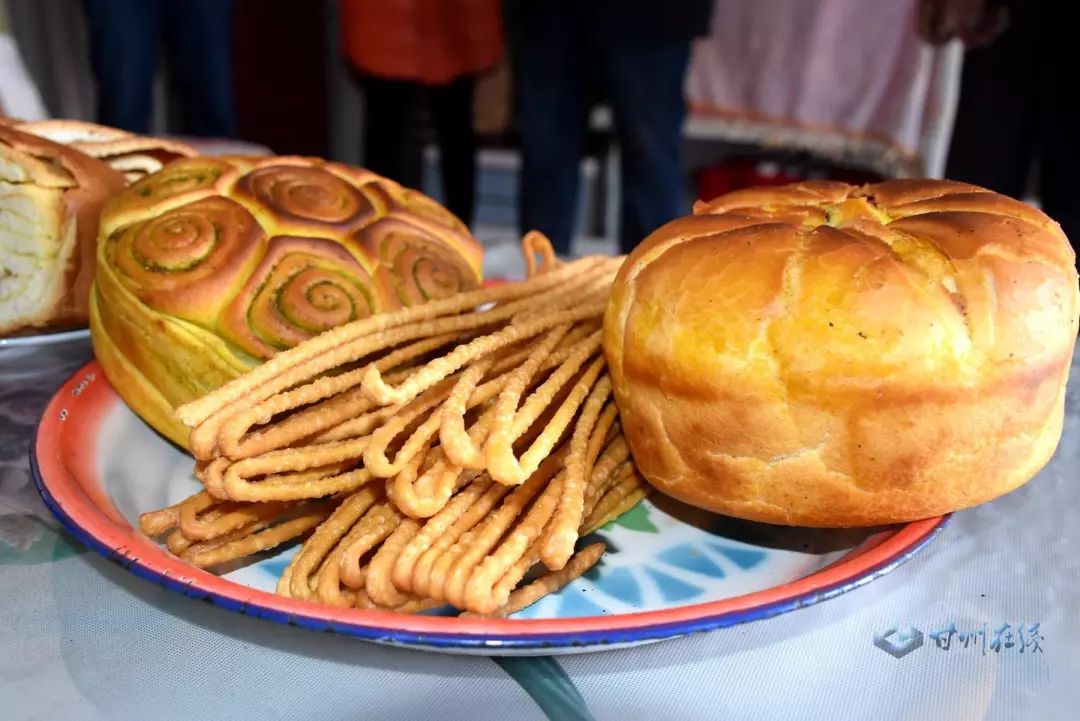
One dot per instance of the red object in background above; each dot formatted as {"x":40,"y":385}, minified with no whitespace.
{"x":738,"y":173}
{"x":426,"y":41}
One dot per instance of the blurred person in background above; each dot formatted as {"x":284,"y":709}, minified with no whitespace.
{"x":634,"y":55}
{"x":125,"y":37}
{"x":404,"y":53}
{"x":1015,"y":99}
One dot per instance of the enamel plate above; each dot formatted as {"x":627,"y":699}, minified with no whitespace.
{"x":670,"y":570}
{"x":41,"y":339}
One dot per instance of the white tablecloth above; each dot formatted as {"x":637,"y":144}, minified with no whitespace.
{"x":80,"y":638}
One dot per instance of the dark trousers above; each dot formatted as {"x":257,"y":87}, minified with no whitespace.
{"x":1013,"y":110}
{"x":561,"y":58}
{"x":393,"y":135}
{"x":125,"y":36}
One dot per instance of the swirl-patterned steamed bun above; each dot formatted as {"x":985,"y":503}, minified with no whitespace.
{"x":212,"y":265}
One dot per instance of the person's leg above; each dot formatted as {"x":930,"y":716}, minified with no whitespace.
{"x":451,"y":113}
{"x":199,"y":38}
{"x":124,"y":36}
{"x":995,"y":133}
{"x":644,"y":86}
{"x":552,"y":116}
{"x":391,"y":146}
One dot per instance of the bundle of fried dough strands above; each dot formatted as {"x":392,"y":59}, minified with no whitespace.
{"x":435,"y":455}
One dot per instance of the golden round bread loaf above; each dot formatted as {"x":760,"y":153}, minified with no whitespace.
{"x":827,"y":355}
{"x":212,"y":265}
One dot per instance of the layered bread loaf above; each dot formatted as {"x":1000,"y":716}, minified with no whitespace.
{"x":50,"y":198}
{"x":212,"y":265}
{"x":827,"y":355}
{"x":136,"y":156}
